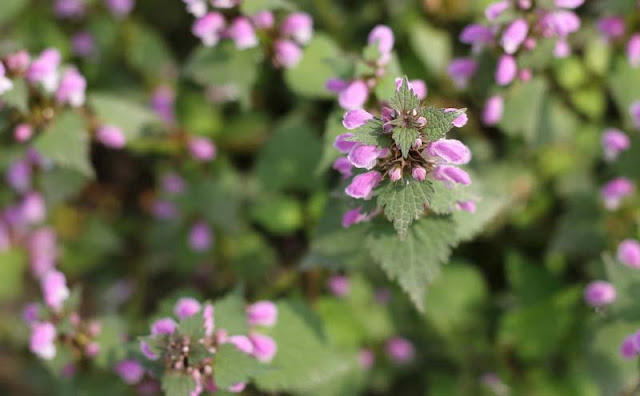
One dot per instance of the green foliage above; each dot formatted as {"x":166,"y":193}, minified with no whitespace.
{"x":175,"y":383}
{"x":10,"y":9}
{"x":404,"y":99}
{"x":371,"y":133}
{"x":234,"y":366}
{"x":229,"y":312}
{"x":309,"y":77}
{"x":404,"y":138}
{"x":12,"y":264}
{"x":192,"y":327}
{"x":127,"y":115}
{"x":18,"y":96}
{"x":439,"y":122}
{"x":404,"y":201}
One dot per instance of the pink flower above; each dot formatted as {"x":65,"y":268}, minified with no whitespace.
{"x":200,"y":237}
{"x":629,"y":253}
{"x":460,"y":120}
{"x":164,"y":210}
{"x":343,"y":144}
{"x":33,"y":208}
{"x":419,"y":173}
{"x":477,"y":35}
{"x":131,"y":371}
{"x":614,"y":141}
{"x":262,"y":313}
{"x":514,"y":35}
{"x":506,"y":70}
{"x":298,"y":26}
{"x":72,"y":88}
{"x":111,"y":136}
{"x":615,"y":191}
{"x":382,"y":36}
{"x":493,"y":110}
{"x":69,"y":8}
{"x":466,"y":206}
{"x":162,"y":103}
{"x":202,"y":149}
{"x":30,"y":313}
{"x":287,"y":53}
{"x":569,"y":3}
{"x":628,"y":349}
{"x":146,"y":351}
{"x":366,"y":358}
{"x":633,"y":50}
{"x":461,"y":70}
{"x":364,"y":156}
{"x":355,"y":216}
{"x":356,"y":118}
{"x":18,"y":175}
{"x":237,"y":388}
{"x":43,"y":69}
{"x":400,"y":350}
{"x":208,"y":28}
{"x":559,"y":23}
{"x":354,"y":96}
{"x":450,"y":150}
{"x":209,"y":319}
{"x":224,"y":3}
{"x":494,"y":10}
{"x":163,"y":326}
{"x":172,"y":183}
{"x":83,"y":44}
{"x":264,"y":347}
{"x":54,"y":289}
{"x":599,"y":293}
{"x":339,"y":285}
{"x":197,"y":8}
{"x":263,"y":19}
{"x":186,"y":307}
{"x":634,"y":111}
{"x":363,"y":184}
{"x":395,"y":174}
{"x":243,"y":33}
{"x":42,"y":341}
{"x":18,"y":61}
{"x":120,"y":8}
{"x":450,"y":175}
{"x":344,"y":167}
{"x":242,"y":343}
{"x":612,"y":27}
{"x":418,"y":87}
{"x":42,"y":251}
{"x":336,"y":85}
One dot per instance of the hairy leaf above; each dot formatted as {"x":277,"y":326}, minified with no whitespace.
{"x":192,"y":327}
{"x":404,"y":99}
{"x":229,"y":314}
{"x":371,"y":133}
{"x":404,"y":138}
{"x":234,"y":366}
{"x":439,"y":122}
{"x":404,"y":201}
{"x":176,"y":383}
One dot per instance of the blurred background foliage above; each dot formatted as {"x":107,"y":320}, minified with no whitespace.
{"x":505,"y":316}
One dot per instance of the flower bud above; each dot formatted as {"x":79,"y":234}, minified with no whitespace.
{"x":506,"y":70}
{"x":242,"y":33}
{"x":264,"y":347}
{"x":186,"y":307}
{"x":395,"y":174}
{"x":200,"y":237}
{"x":287,"y":53}
{"x":298,"y":26}
{"x":450,"y":175}
{"x":356,"y":118}
{"x":33,"y":208}
{"x":72,"y":88}
{"x":419,"y":173}
{"x":363,"y":184}
{"x":615,"y":191}
{"x":208,"y":28}
{"x":614,"y":141}
{"x":477,"y":35}
{"x":344,"y":167}
{"x":19,"y":175}
{"x":262,"y":313}
{"x":611,"y":27}
{"x":354,"y":96}
{"x":514,"y":35}
{"x":450,"y":150}
{"x":339,"y":285}
{"x":494,"y":10}
{"x":42,"y":341}
{"x":130,"y":370}
{"x":599,"y":293}
{"x":629,"y":253}
{"x":493,"y":109}
{"x":400,"y":350}
{"x":54,"y":289}
{"x":18,"y":62}
{"x":43,"y":252}
{"x":202,"y":149}
{"x":162,"y":103}
{"x":336,"y":85}
{"x":111,"y":136}
{"x":92,"y":349}
{"x":461,"y":70}
{"x":366,"y":358}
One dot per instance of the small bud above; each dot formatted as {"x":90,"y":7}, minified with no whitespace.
{"x":264,"y":347}
{"x":200,"y":237}
{"x":419,"y":173}
{"x":395,"y":174}
{"x":146,"y":351}
{"x":506,"y":70}
{"x":202,"y":149}
{"x":31,"y":313}
{"x":418,"y":142}
{"x":629,"y":253}
{"x":493,"y":110}
{"x":599,"y":293}
{"x":298,"y":26}
{"x":466,"y":206}
{"x":111,"y":136}
{"x":262,"y":313}
{"x":186,"y":307}
{"x":163,"y":102}
{"x":400,"y":350}
{"x":92,"y":349}
{"x":629,"y":349}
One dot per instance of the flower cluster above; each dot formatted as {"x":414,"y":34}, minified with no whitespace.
{"x":354,"y":91}
{"x":514,"y":28}
{"x":285,"y":40}
{"x":76,"y":9}
{"x":189,"y":346}
{"x":406,"y":141}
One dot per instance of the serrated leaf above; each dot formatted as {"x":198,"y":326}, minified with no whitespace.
{"x":18,"y":96}
{"x":439,"y":122}
{"x":404,"y":99}
{"x":112,"y":349}
{"x":416,"y":260}
{"x":119,"y":111}
{"x":444,"y":199}
{"x":234,"y":366}
{"x":192,"y":327}
{"x":177,"y":384}
{"x":404,"y":138}
{"x":230,"y":315}
{"x":404,"y":201}
{"x":371,"y":133}
{"x":66,"y":143}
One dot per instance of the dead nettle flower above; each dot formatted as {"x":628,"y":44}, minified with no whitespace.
{"x":407,"y":142}
{"x":189,"y":346}
{"x":599,"y":293}
{"x":162,"y":103}
{"x":201,"y":237}
{"x":615,"y":191}
{"x":629,"y":253}
{"x":400,"y":350}
{"x":614,"y":141}
{"x":634,"y":111}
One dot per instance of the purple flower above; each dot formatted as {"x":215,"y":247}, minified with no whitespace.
{"x":70,"y":8}
{"x":615,"y":191}
{"x":163,"y":102}
{"x":339,"y":285}
{"x":43,"y":251}
{"x":614,"y":141}
{"x":18,"y":61}
{"x":242,"y":33}
{"x":461,"y":70}
{"x":298,"y":26}
{"x":146,"y":351}
{"x":344,"y":167}
{"x":633,"y":50}
{"x":186,"y":307}
{"x":419,"y":173}
{"x":263,"y":19}
{"x":72,"y":88}
{"x":200,"y":237}
{"x":599,"y":293}
{"x":382,"y":36}
{"x":493,"y":109}
{"x":466,"y":206}
{"x":197,"y":8}
{"x":111,"y":136}
{"x":264,"y":347}
{"x":262,"y":313}
{"x":5,"y":82}
{"x":628,"y":349}
{"x":30,"y":313}
{"x":451,"y":151}
{"x":364,"y":156}
{"x":208,"y":28}
{"x":54,"y":289}
{"x":477,"y":35}
{"x":460,"y":120}
{"x":42,"y":341}
{"x":506,"y":70}
{"x":629,"y":253}
{"x":242,"y":343}
{"x":120,"y":8}
{"x":634,"y":111}
{"x":451,"y":174}
{"x":611,"y":27}
{"x":569,"y":3}
{"x":43,"y":69}
{"x":355,"y":216}
{"x":130,"y":370}
{"x":83,"y":44}
{"x":287,"y":53}
{"x":514,"y":35}
{"x":202,"y":149}
{"x":19,"y":175}
{"x":559,"y":23}
{"x":33,"y":208}
{"x":356,"y":118}
{"x":164,"y":210}
{"x":336,"y":85}
{"x":494,"y":10}
{"x":163,"y":326}
{"x":237,"y":388}
{"x":172,"y":183}
{"x":363,"y":184}
{"x":354,"y":96}
{"x":400,"y":350}
{"x":366,"y":358}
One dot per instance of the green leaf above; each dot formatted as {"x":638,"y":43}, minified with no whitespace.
{"x":192,"y":327}
{"x":146,"y":51}
{"x":404,"y":138}
{"x":404,"y":99}
{"x":432,"y":46}
{"x":175,"y":383}
{"x":112,"y":349}
{"x":416,"y":260}
{"x":230,"y":315}
{"x":10,"y":9}
{"x":278,"y":214}
{"x":627,"y":283}
{"x":332,"y":130}
{"x":12,"y":266}
{"x":18,"y":96}
{"x":304,"y":359}
{"x":234,"y":366}
{"x":523,"y":109}
{"x":250,"y":7}
{"x":121,"y":112}
{"x":66,"y":143}
{"x":371,"y":133}
{"x":404,"y":201}
{"x":308,"y":78}
{"x":624,"y":84}
{"x":439,"y":122}
{"x":444,"y":199}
